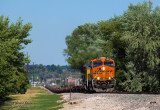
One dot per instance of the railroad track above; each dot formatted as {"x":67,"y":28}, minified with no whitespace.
{"x":81,"y":89}
{"x":66,"y":89}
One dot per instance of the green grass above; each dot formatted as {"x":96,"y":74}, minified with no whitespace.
{"x":42,"y":101}
{"x":45,"y":102}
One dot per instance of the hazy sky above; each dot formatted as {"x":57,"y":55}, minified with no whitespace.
{"x":53,"y":20}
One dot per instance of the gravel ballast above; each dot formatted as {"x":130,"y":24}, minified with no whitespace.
{"x":111,"y":101}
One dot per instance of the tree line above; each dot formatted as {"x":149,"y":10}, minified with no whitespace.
{"x":42,"y":72}
{"x":131,"y":39}
{"x":13,"y":38}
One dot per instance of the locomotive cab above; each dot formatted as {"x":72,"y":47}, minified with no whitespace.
{"x":100,"y":74}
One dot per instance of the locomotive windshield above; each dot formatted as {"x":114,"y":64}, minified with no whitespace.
{"x":108,"y":63}
{"x":95,"y":64}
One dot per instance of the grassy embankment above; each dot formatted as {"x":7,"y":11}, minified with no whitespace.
{"x":34,"y":99}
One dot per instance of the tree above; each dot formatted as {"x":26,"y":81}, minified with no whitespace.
{"x":113,"y":31}
{"x":132,"y":40}
{"x":83,"y":45}
{"x":142,"y":25}
{"x":13,"y":76}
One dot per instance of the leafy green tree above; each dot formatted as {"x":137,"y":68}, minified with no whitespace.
{"x":83,"y":45}
{"x":132,"y":40}
{"x":13,"y":76}
{"x":142,"y":25}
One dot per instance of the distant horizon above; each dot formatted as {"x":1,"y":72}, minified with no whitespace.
{"x":46,"y":65}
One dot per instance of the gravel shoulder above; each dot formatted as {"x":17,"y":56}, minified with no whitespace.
{"x":111,"y":101}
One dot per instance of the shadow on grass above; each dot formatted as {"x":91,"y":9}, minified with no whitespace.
{"x":42,"y":101}
{"x":46,"y":101}
{"x":7,"y":102}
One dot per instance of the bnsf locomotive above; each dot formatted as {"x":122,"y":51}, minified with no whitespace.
{"x":100,"y":75}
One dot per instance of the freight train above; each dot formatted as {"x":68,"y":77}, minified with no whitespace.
{"x":99,"y":76}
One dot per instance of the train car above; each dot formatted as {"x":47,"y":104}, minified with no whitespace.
{"x":100,"y":75}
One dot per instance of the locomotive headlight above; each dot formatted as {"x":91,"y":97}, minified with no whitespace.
{"x":98,"y":78}
{"x":103,"y":68}
{"x":109,"y":77}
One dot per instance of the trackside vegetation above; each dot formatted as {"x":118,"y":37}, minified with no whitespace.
{"x":13,"y":38}
{"x":44,"y":101}
{"x":132,"y":40}
{"x":35,"y":99}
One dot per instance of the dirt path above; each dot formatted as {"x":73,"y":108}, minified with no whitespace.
{"x":107,"y":101}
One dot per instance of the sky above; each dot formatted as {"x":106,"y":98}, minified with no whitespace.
{"x":53,"y":20}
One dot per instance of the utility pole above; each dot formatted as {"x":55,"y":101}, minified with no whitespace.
{"x":64,"y":81}
{"x":70,"y":84}
{"x":33,"y":74}
{"x":60,"y":80}
{"x":27,"y":67}
{"x":70,"y":91}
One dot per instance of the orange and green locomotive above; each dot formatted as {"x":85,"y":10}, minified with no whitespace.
{"x":100,"y":74}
